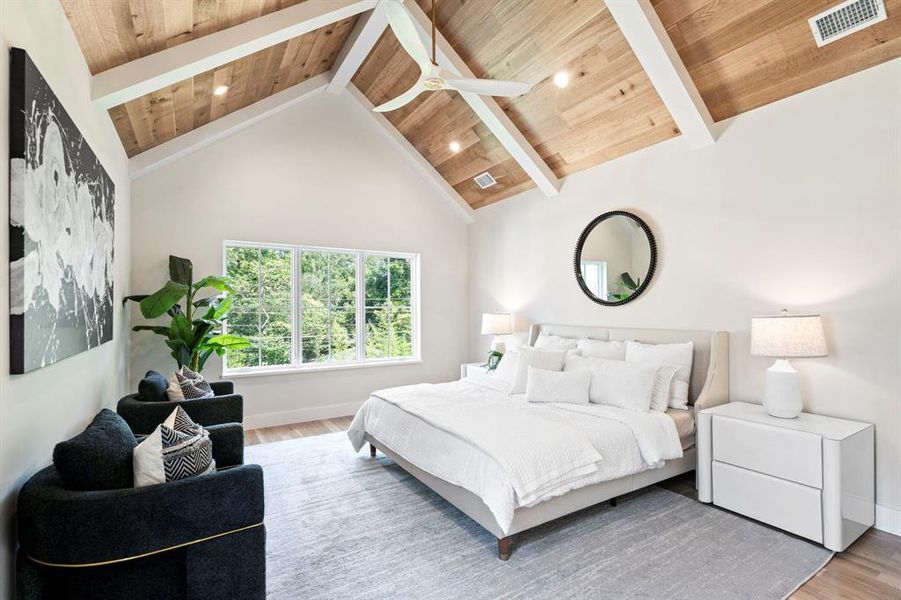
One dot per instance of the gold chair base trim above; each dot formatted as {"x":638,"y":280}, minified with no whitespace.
{"x":137,"y":556}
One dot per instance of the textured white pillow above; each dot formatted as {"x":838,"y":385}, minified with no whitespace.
{"x":613,"y":350}
{"x":558,"y":386}
{"x":616,"y":382}
{"x":506,"y":369}
{"x":679,"y":355}
{"x":550,"y":360}
{"x":555,"y":342}
{"x":662,"y":385}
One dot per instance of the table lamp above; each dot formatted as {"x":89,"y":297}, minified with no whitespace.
{"x":497,"y":324}
{"x":786,"y":336}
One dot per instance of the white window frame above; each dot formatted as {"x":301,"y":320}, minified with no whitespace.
{"x":601,"y":265}
{"x":297,"y":366}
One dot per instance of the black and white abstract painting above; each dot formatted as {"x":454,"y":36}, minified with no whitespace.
{"x":61,"y":229}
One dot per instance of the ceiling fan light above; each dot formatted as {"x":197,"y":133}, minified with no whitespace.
{"x":561,"y":79}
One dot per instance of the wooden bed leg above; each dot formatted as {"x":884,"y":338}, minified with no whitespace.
{"x":613,"y":501}
{"x":503,"y":548}
{"x":371,"y":451}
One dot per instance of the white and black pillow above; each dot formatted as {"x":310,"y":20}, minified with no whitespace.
{"x":193,"y":385}
{"x":185,"y":384}
{"x":177,"y":449}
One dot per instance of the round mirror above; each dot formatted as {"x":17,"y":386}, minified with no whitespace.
{"x":615,"y":258}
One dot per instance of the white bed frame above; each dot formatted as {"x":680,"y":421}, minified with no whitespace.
{"x":709,"y":386}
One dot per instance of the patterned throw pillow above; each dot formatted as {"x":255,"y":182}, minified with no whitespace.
{"x":177,"y":449}
{"x":185,"y":384}
{"x":193,"y":385}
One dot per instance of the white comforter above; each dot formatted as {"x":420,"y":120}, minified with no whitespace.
{"x":510,"y":452}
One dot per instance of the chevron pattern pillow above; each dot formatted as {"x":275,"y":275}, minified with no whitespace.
{"x":178,"y":448}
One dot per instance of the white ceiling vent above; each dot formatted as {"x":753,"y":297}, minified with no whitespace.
{"x":845,"y":19}
{"x":485,"y":180}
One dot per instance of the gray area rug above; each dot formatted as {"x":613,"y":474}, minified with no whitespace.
{"x":341,"y":525}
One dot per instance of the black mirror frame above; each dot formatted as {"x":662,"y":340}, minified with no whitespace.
{"x":577,"y":257}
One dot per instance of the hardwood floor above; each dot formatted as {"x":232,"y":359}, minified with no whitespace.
{"x":870,"y":568}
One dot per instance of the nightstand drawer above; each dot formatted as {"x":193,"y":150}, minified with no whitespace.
{"x":790,"y":506}
{"x":785,"y":453}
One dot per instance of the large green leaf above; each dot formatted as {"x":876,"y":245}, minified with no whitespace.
{"x":181,"y":270}
{"x":628,"y":281}
{"x":223,"y":307}
{"x":202,"y":358}
{"x":158,"y":329}
{"x":228,"y":341}
{"x":217,"y":282}
{"x":181,"y":329}
{"x":180,"y":351}
{"x":135,"y":298}
{"x":158,"y":303}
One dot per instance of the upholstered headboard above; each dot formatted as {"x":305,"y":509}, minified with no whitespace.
{"x":709,"y":384}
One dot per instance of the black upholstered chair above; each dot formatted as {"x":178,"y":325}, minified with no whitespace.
{"x":143,"y":416}
{"x":196,"y":538}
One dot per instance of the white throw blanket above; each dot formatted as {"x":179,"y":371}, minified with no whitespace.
{"x":509,"y":452}
{"x":533,"y":455}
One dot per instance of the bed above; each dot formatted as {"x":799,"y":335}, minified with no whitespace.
{"x":435,"y":443}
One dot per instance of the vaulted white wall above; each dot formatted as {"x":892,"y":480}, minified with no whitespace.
{"x":43,"y":407}
{"x":319,"y":173}
{"x":798,"y":205}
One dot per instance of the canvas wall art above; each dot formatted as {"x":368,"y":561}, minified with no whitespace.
{"x":61,"y":229}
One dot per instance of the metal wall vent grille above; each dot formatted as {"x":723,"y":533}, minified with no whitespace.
{"x":845,"y":19}
{"x":485,"y":180}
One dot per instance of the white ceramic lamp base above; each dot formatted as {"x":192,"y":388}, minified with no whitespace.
{"x":782,"y":397}
{"x":497,"y":344}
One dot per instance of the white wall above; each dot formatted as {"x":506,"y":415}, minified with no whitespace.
{"x":51,"y":404}
{"x":321,"y":174}
{"x":798,"y":205}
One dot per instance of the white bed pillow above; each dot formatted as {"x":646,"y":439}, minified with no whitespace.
{"x":555,"y":342}
{"x":550,"y":360}
{"x":662,"y":385}
{"x":506,"y":369}
{"x":612,"y":350}
{"x":570,"y":387}
{"x":616,"y":382}
{"x":679,"y":355}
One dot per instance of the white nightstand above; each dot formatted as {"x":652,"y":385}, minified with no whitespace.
{"x":813,"y":476}
{"x":469,"y":369}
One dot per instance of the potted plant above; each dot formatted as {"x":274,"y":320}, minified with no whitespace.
{"x":195,"y":330}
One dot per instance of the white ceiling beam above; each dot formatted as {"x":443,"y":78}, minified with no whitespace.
{"x":488,"y":110}
{"x":414,"y":158}
{"x":359,"y":44}
{"x":203,"y":136}
{"x":150,"y":73}
{"x":655,"y":51}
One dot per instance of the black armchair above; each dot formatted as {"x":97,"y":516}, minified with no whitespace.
{"x":224,"y":407}
{"x":201,"y":537}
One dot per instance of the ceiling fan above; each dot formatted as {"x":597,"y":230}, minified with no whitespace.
{"x":433,"y":77}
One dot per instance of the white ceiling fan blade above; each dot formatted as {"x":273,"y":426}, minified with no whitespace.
{"x":402,"y":25}
{"x":401,"y":100}
{"x":490,"y":87}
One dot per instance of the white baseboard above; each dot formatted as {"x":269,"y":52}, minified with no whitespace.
{"x":888,"y":519}
{"x":299,"y":415}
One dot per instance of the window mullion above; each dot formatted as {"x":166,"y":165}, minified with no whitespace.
{"x":360,"y":311}
{"x":297,"y":304}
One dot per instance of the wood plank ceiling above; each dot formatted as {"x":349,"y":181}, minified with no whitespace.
{"x":609,"y":108}
{"x":741,"y":54}
{"x":114,"y":32}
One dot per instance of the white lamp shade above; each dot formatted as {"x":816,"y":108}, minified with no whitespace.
{"x":788,"y":336}
{"x":497,"y":324}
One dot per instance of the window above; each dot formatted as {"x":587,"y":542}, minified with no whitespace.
{"x":305,"y":308}
{"x":594,"y":274}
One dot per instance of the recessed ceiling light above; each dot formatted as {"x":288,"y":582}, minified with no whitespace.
{"x":220,"y":90}
{"x":561,"y":79}
{"x":455,"y":146}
